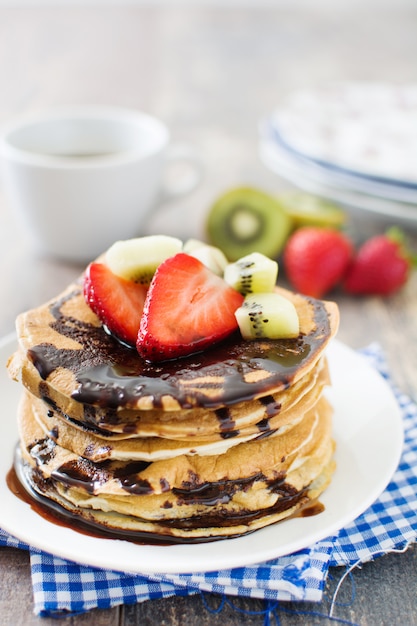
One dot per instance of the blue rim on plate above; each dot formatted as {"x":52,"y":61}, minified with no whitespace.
{"x":302,"y":177}
{"x":271,"y":131}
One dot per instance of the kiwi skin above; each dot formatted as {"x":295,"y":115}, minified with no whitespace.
{"x":246,"y":220}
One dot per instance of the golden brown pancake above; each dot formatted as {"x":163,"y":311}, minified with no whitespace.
{"x":251,"y":483}
{"x":66,"y":357}
{"x":259,"y":418}
{"x":213,"y":445}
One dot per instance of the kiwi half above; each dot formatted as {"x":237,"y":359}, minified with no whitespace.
{"x":246,"y":220}
{"x":309,"y":210}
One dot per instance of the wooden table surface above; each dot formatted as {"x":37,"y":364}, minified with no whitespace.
{"x":210,"y":73}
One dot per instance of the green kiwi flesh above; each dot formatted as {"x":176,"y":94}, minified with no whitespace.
{"x":309,"y":210}
{"x":267,"y":316}
{"x":137,"y":259}
{"x":252,"y":273}
{"x":246,"y":220}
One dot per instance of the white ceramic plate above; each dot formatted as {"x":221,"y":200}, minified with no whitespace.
{"x":339,"y":177}
{"x":369,"y":435}
{"x":309,"y":178}
{"x":365,"y":129}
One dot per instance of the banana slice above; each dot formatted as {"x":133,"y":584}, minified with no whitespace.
{"x":253,"y":273}
{"x":137,"y":259}
{"x":267,"y":316}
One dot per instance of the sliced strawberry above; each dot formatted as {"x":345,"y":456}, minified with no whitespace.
{"x":117,"y":302}
{"x":187,"y":309}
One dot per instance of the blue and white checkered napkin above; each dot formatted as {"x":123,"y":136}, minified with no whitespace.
{"x":389,"y":524}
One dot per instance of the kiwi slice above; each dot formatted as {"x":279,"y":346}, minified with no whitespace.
{"x":252,"y":273}
{"x":246,"y":220}
{"x":308,"y":210}
{"x":137,"y":259}
{"x":267,"y":316}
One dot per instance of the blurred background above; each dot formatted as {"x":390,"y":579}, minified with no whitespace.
{"x":210,"y":70}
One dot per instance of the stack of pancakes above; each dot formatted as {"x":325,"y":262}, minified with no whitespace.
{"x":209,"y":446}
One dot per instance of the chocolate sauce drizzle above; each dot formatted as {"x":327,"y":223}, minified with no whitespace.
{"x":111,"y":375}
{"x":30,"y":485}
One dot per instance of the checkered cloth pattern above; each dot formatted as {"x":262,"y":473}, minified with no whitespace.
{"x":61,"y":587}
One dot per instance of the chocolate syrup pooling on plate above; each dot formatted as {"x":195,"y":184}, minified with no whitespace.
{"x":21,"y":477}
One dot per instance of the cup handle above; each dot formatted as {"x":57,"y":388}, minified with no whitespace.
{"x":181,"y":156}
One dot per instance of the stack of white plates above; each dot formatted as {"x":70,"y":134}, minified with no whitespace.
{"x":353,"y":143}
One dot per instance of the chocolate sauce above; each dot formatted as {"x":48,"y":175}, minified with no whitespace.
{"x":81,"y":473}
{"x":214,"y":493}
{"x":53,"y":513}
{"x":129,"y":480}
{"x":22,"y":487}
{"x":272,"y":407}
{"x":227,"y":424}
{"x":314,"y":508}
{"x":263,"y":426}
{"x":89,"y":425}
{"x":97,"y":451}
{"x":111,"y":375}
{"x":43,"y":450}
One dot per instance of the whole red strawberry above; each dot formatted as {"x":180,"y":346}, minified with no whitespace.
{"x":316,"y":259}
{"x":381,"y":266}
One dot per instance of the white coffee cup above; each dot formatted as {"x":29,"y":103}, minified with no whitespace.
{"x":83,"y":177}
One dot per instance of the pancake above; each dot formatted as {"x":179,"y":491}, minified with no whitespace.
{"x":243,"y":419}
{"x":247,"y":486}
{"x":209,"y":446}
{"x":99,"y":448}
{"x":197,"y":425}
{"x":68,"y":358}
{"x":85,"y":442}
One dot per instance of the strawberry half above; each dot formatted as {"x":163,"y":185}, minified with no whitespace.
{"x":187,"y":309}
{"x":117,"y":302}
